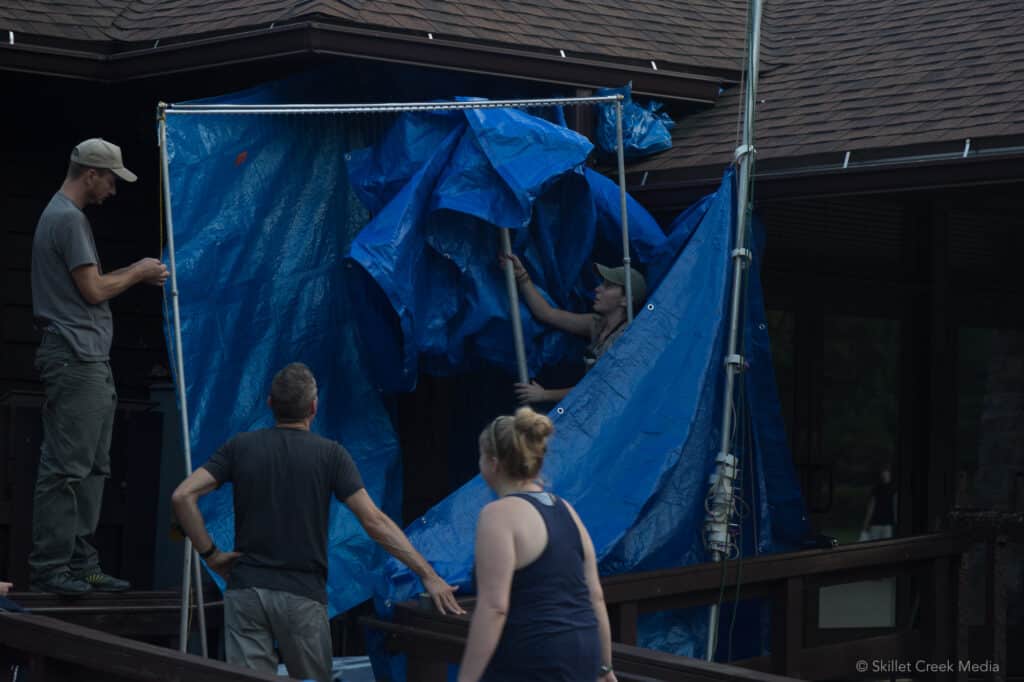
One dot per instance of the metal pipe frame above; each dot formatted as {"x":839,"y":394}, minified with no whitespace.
{"x":723,"y":504}
{"x":165,"y":110}
{"x":513,"y":304}
{"x":386,"y":107}
{"x":179,"y":376}
{"x":623,"y":213}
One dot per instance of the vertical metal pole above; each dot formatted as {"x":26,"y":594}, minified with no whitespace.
{"x":186,"y":593}
{"x":624,"y":218}
{"x":716,"y":527}
{"x":179,"y":374}
{"x":201,"y":605}
{"x":513,"y":305}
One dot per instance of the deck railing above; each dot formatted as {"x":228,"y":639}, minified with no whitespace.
{"x":789,"y":583}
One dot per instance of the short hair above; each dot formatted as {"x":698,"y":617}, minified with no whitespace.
{"x":76,"y":170}
{"x":292,"y":393}
{"x":518,"y":442}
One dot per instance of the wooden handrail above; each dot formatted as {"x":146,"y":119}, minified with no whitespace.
{"x":56,"y":650}
{"x":630,"y":662}
{"x":775,"y":568}
{"x":783,"y":579}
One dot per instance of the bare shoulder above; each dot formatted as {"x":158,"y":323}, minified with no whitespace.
{"x":572,"y":511}
{"x":508,"y":512}
{"x":504,"y":506}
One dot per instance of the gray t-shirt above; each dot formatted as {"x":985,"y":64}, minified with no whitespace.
{"x":63,"y":241}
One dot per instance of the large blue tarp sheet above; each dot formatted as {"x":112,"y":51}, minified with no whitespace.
{"x":635,"y":442}
{"x":439,"y":184}
{"x":265,"y":212}
{"x":262,"y":220}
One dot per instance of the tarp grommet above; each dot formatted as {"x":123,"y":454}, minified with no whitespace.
{"x":560,"y":410}
{"x":650,"y":306}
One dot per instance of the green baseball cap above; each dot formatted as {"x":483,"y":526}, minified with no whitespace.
{"x":618,"y":276}
{"x":98,"y":153}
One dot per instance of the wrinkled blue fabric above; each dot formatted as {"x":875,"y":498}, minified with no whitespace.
{"x":646,"y":129}
{"x":439,"y":187}
{"x":635,"y":441}
{"x":262,"y":218}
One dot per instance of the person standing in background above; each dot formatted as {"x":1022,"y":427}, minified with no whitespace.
{"x":880,"y":516}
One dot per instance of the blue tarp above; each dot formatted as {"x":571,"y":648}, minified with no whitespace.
{"x":636,"y":440}
{"x":262,"y":220}
{"x":263,"y":217}
{"x":646,"y":129}
{"x":439,"y":184}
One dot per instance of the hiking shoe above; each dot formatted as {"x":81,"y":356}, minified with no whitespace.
{"x":63,"y":584}
{"x":101,"y":582}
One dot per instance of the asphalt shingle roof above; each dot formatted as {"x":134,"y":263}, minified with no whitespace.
{"x":699,"y":34}
{"x":849,"y":75}
{"x":837,"y":75}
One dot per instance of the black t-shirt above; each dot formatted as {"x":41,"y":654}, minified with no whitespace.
{"x":283,"y":481}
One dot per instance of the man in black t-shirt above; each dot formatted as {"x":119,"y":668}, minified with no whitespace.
{"x":283,"y":481}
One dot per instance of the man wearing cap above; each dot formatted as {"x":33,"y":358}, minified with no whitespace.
{"x":70,"y":294}
{"x":602,"y":327}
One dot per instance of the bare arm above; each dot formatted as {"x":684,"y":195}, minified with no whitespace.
{"x":184,"y":500}
{"x":96,"y":288}
{"x":495,"y":564}
{"x":388,"y":535}
{"x":596,"y":594}
{"x":535,"y":393}
{"x":573,"y":323}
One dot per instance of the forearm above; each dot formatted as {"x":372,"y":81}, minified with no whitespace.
{"x":553,"y":395}
{"x":114,"y":283}
{"x":388,"y":535}
{"x":484,"y":632}
{"x":604,"y":630}
{"x":191,"y":521}
{"x":538,"y":305}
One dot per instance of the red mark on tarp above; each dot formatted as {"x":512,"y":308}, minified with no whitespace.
{"x":240,"y":159}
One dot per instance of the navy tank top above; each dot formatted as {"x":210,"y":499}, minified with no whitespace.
{"x":551,"y":633}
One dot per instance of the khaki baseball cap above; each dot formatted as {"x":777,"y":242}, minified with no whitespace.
{"x":618,"y":276}
{"x":98,"y":153}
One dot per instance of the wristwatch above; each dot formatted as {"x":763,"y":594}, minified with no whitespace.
{"x":208,"y":553}
{"x":604,"y":669}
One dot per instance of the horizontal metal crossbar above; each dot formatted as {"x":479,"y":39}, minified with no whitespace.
{"x":388,"y":107}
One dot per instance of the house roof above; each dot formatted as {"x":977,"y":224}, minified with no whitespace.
{"x":913,"y":77}
{"x":844,"y":85}
{"x":702,"y":39}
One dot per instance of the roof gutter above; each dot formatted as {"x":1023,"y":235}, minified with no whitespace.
{"x":994,"y":165}
{"x":316,"y":38}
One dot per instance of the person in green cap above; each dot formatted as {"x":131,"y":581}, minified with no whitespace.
{"x":70,"y":304}
{"x":602,"y":326}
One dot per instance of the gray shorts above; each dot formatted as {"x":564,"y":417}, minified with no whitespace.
{"x":256,"y":618}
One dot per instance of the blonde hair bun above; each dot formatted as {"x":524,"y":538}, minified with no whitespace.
{"x":533,"y":425}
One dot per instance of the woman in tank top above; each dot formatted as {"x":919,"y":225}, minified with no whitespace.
{"x":602,"y":326}
{"x":540,"y":612}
